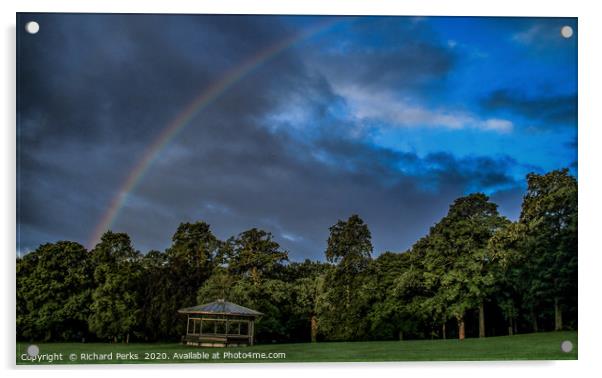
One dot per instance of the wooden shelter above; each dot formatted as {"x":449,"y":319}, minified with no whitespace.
{"x":219,"y":324}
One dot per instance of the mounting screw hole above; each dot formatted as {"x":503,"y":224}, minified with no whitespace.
{"x":32,"y":27}
{"x":566,"y":31}
{"x":566,"y":346}
{"x":33,"y":350}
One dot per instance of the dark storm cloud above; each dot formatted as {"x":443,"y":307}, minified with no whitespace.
{"x":473,"y":173}
{"x":549,"y":110}
{"x":382,"y":52}
{"x":421,"y":63}
{"x":95,"y":91}
{"x":81,"y":71}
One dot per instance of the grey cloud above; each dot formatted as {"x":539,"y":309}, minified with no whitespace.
{"x":548,"y":110}
{"x":95,"y":90}
{"x":407,"y":59}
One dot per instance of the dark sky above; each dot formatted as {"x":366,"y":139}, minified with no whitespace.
{"x":391,"y":118}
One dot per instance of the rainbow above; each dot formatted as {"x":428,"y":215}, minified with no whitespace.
{"x":205,"y":98}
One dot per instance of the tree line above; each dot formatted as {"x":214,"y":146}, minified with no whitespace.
{"x":474,"y":274}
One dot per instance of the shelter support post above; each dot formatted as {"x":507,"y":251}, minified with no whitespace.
{"x":251,"y":331}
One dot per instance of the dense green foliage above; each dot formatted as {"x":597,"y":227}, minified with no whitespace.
{"x":475,"y":273}
{"x":343,"y":313}
{"x":114,"y":311}
{"x":54,"y":287}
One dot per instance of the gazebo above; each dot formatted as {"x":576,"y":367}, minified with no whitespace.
{"x":219,"y":324}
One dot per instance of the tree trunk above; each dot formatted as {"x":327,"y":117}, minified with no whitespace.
{"x":461,"y":331}
{"x":314,"y":329}
{"x":482,"y":319}
{"x":347,"y":296}
{"x":510,"y":329}
{"x":443,"y":331}
{"x":400,"y":335}
{"x":557,"y":316}
{"x":127,"y":338}
{"x":535,"y":328}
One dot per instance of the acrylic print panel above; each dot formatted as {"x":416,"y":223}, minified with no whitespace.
{"x":234,"y":188}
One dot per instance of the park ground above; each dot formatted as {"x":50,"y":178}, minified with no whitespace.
{"x":535,"y":346}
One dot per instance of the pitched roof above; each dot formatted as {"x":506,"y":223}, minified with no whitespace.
{"x":221,"y":307}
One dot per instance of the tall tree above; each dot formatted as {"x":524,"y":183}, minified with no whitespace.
{"x":53,"y":292}
{"x":115,"y":308}
{"x":349,"y":248}
{"x":459,"y":246}
{"x":350,"y":245}
{"x":549,"y":214}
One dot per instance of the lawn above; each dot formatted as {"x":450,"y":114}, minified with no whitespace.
{"x":535,"y":346}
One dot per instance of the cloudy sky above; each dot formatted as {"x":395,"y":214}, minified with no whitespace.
{"x":391,"y":118}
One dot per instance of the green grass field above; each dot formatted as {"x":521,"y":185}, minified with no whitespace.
{"x":539,"y":346}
